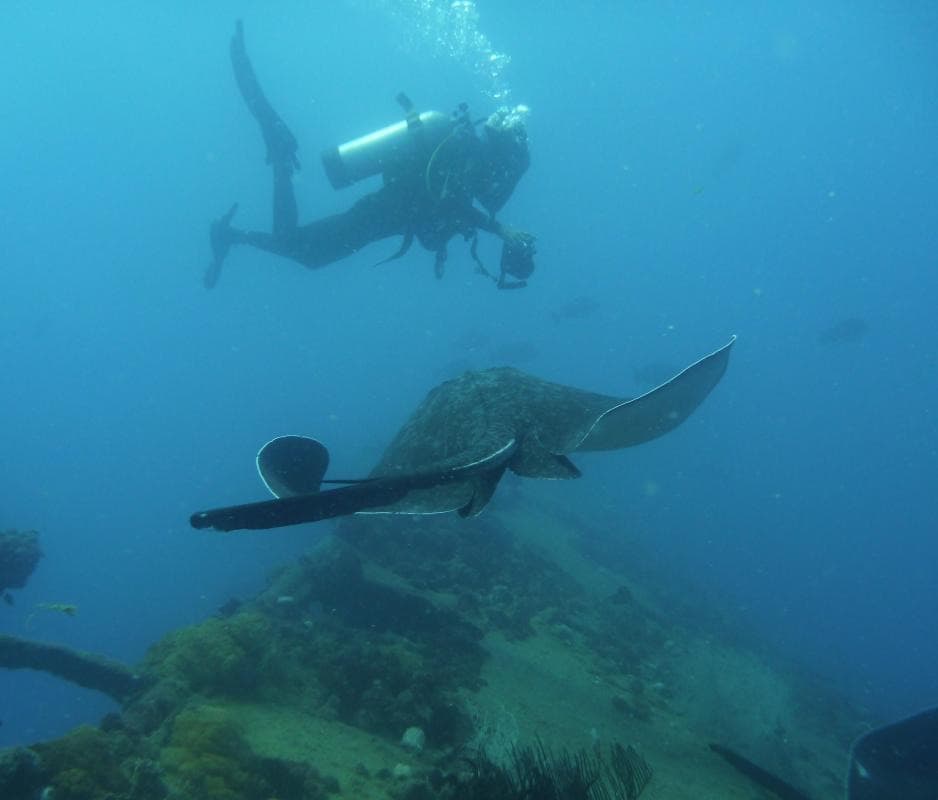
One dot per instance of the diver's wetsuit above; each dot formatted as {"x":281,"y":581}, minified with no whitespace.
{"x":404,"y":206}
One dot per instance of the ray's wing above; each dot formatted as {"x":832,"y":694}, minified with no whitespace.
{"x":551,"y":419}
{"x":896,"y":761}
{"x":653,"y":414}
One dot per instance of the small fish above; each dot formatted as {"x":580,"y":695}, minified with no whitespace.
{"x":578,"y":308}
{"x":8,"y":598}
{"x":68,"y":609}
{"x":63,"y":608}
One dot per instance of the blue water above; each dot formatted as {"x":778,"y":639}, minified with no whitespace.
{"x":700,"y":169}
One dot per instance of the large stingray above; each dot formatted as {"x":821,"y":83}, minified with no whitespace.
{"x":454,"y":449}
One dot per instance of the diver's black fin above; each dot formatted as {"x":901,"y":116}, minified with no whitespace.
{"x":280,"y":141}
{"x":220,"y":239}
{"x":212,"y":274}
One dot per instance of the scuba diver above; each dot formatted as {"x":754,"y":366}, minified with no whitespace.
{"x":435,"y":169}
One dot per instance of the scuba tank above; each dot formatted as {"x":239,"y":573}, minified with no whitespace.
{"x":374,"y":152}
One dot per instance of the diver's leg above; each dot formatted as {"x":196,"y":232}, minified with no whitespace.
{"x":281,"y":143}
{"x":285,"y":213}
{"x":324,"y":241}
{"x":374,"y":217}
{"x":281,"y":155}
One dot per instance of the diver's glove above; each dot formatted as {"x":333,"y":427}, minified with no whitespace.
{"x":517,"y":237}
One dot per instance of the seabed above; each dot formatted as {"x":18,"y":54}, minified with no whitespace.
{"x":489,"y":635}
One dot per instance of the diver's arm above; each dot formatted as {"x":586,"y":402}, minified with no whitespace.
{"x":506,"y":233}
{"x":473,"y":218}
{"x":486,"y":223}
{"x":513,"y":236}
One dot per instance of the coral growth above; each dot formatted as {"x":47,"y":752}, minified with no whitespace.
{"x":382,"y":659}
{"x":208,"y":758}
{"x":20,"y":773}
{"x":92,"y":764}
{"x":218,"y":657}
